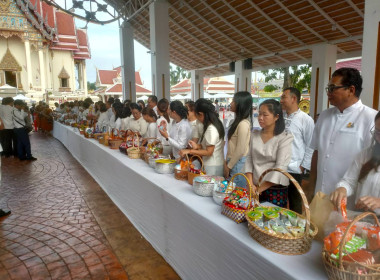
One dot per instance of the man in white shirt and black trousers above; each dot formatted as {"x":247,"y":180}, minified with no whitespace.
{"x":22,"y":136}
{"x":341,"y":132}
{"x":301,"y":125}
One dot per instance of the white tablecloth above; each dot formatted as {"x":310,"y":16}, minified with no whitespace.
{"x":186,"y":229}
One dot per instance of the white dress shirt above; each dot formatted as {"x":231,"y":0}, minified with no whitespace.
{"x":85,"y":114}
{"x":368,"y":186}
{"x":103,"y":121}
{"x":19,"y":118}
{"x":338,"y":138}
{"x":214,"y":163}
{"x":118,"y":123}
{"x":152,"y":130}
{"x":6,"y":114}
{"x":155,"y":110}
{"x":125,"y":123}
{"x":109,"y":113}
{"x":301,"y":125}
{"x":140,"y":126}
{"x":179,"y":136}
{"x":112,"y":121}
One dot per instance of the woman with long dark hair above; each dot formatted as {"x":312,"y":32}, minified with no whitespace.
{"x":150,"y":117}
{"x":117,"y":109}
{"x":238,"y":136}
{"x":211,"y":143}
{"x":270,"y":147}
{"x":361,"y":182}
{"x":163,"y":122}
{"x":180,"y":131}
{"x":137,"y":123}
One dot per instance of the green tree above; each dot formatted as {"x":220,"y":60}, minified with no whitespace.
{"x":270,"y":88}
{"x":298,"y":76}
{"x":177,"y":74}
{"x":91,"y":86}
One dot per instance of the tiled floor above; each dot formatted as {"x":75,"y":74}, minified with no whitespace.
{"x":63,"y":226}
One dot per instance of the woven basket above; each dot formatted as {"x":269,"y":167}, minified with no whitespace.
{"x":190,"y":175}
{"x":336,"y":269}
{"x":97,"y":135}
{"x":281,"y":244}
{"x":134,"y":152}
{"x":115,"y":143}
{"x":181,"y":174}
{"x":238,"y":215}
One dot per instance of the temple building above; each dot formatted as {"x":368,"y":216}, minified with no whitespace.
{"x":42,"y":53}
{"x":109,"y":84}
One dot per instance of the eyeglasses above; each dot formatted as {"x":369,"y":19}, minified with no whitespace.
{"x":375,"y":132}
{"x":331,"y":88}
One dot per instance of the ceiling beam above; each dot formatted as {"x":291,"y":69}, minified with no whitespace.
{"x":355,"y":8}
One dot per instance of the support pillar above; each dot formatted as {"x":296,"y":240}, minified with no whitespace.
{"x":84,"y":77}
{"x":243,"y":78}
{"x":28,"y":65}
{"x":127,"y":61}
{"x":42,"y":70}
{"x":323,"y":65}
{"x":73,"y":82}
{"x":197,"y":84}
{"x":370,"y":54}
{"x":159,"y":44}
{"x":49,"y":84}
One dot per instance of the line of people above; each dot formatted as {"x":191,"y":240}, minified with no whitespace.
{"x":14,"y":129}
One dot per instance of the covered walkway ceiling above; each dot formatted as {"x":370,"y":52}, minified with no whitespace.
{"x":208,"y":34}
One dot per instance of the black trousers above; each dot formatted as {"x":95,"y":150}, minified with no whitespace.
{"x":23,"y":143}
{"x":8,"y":142}
{"x":295,"y":200}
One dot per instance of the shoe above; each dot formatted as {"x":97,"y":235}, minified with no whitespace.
{"x":31,"y":158}
{"x":4,"y":213}
{"x":22,"y":158}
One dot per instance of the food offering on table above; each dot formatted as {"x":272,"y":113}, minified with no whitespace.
{"x":352,"y":250}
{"x":204,"y":185}
{"x":89,"y":132}
{"x":195,"y":171}
{"x":115,"y":140}
{"x":153,"y":151}
{"x":281,"y":230}
{"x":165,"y":166}
{"x":220,"y":191}
{"x":134,"y":151}
{"x":182,"y":168}
{"x":238,"y":201}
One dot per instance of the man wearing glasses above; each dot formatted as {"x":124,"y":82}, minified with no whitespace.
{"x":341,"y":132}
{"x":301,"y":125}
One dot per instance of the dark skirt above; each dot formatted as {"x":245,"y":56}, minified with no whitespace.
{"x":277,"y":195}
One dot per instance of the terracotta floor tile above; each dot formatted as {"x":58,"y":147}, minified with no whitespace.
{"x":60,"y":226}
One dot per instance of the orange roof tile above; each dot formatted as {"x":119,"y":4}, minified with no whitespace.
{"x":106,"y":76}
{"x":84,"y":49}
{"x":353,"y":63}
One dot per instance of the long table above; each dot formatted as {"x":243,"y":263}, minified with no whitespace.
{"x":186,"y":229}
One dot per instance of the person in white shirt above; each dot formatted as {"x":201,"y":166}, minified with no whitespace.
{"x":361,"y":182}
{"x":103,"y":121}
{"x":270,"y":147}
{"x":301,"y":125}
{"x":23,"y":142}
{"x":8,"y":140}
{"x":3,"y":213}
{"x":180,"y":131}
{"x":137,"y":123}
{"x":341,"y":132}
{"x":117,"y":116}
{"x":109,"y":108}
{"x":163,"y":122}
{"x":196,"y":126}
{"x":86,"y":110}
{"x":211,"y":144}
{"x":152,"y":103}
{"x":126,"y":118}
{"x":151,"y":118}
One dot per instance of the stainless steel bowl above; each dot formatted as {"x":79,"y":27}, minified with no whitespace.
{"x":152,"y":161}
{"x":165,"y":166}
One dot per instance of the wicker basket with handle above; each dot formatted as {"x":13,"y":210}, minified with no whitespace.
{"x":337,"y":269}
{"x":191,"y":175}
{"x":115,"y":140}
{"x":148,"y":152}
{"x":182,"y":174}
{"x":283,"y":244}
{"x":134,"y":152}
{"x":237,"y":214}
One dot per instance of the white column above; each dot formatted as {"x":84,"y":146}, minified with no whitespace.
{"x":84,"y":77}
{"x":42,"y":70}
{"x":323,"y":66}
{"x":243,"y":78}
{"x":28,"y":65}
{"x":127,"y":56}
{"x":48,"y":70}
{"x":370,"y":54}
{"x":73,"y":77}
{"x":159,"y":44}
{"x":197,"y":84}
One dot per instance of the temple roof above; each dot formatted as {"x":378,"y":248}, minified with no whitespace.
{"x":84,"y":48}
{"x":106,"y":77}
{"x":117,"y":88}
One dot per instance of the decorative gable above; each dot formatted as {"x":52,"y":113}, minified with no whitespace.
{"x":9,"y":62}
{"x":63,"y":74}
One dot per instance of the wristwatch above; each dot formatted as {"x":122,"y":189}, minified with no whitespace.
{"x":167,"y":139}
